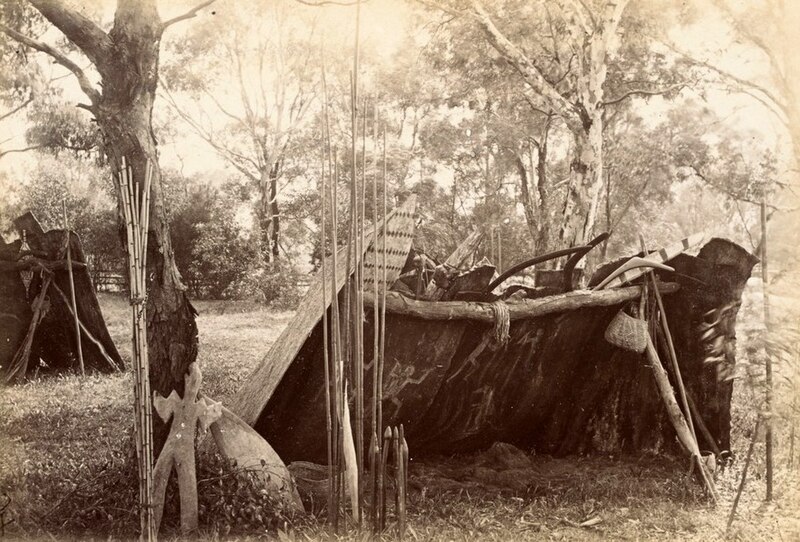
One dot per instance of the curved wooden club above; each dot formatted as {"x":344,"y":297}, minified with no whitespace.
{"x":533,"y":261}
{"x":573,"y":260}
{"x":633,"y":263}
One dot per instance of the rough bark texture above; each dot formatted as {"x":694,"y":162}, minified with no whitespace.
{"x":556,"y":387}
{"x":124,"y":115}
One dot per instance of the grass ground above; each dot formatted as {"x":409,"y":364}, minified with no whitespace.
{"x":64,"y":465}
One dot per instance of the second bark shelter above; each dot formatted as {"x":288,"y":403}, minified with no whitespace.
{"x":555,"y":386}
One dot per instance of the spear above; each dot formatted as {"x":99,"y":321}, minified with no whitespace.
{"x":387,"y":445}
{"x":326,"y":361}
{"x":402,"y":480}
{"x":72,"y":291}
{"x":375,"y":450}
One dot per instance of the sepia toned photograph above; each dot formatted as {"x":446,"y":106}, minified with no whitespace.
{"x":419,"y":270}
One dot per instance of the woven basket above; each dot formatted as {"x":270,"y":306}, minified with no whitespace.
{"x":627,"y":332}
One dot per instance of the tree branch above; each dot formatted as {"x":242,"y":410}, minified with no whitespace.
{"x":188,"y":15}
{"x":530,"y":73}
{"x":59,"y":57}
{"x":20,"y":107}
{"x":585,"y":16}
{"x":729,"y":76}
{"x":80,"y":30}
{"x":24,"y":149}
{"x":235,"y":159}
{"x":643,"y":92}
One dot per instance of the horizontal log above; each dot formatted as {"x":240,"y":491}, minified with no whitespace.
{"x":518,"y":310}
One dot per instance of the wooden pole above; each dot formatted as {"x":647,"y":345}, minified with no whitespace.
{"x":673,"y":357}
{"x":337,"y":349}
{"x":740,"y":489}
{"x":356,"y":326}
{"x":381,"y":489}
{"x":375,"y":446}
{"x":86,"y":332}
{"x":72,"y":291}
{"x":499,"y":248}
{"x":768,"y":358}
{"x":326,"y":360}
{"x":359,"y":366}
{"x":676,"y":416}
{"x":335,"y":365}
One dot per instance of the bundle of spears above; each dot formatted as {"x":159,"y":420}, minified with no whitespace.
{"x":135,"y":198}
{"x":395,"y":448}
{"x":343,"y":338}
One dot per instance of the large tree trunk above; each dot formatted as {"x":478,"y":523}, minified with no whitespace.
{"x":265,"y":216}
{"x":527,"y":202}
{"x":124,"y":115}
{"x":269,"y":213}
{"x":275,"y":212}
{"x":583,"y":169}
{"x":543,"y":189}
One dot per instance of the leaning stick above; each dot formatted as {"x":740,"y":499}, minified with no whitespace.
{"x":19,"y":363}
{"x":72,"y":292}
{"x":358,"y":326}
{"x":673,"y":357}
{"x":740,"y":489}
{"x":676,"y":416}
{"x":359,"y":312}
{"x":83,"y":328}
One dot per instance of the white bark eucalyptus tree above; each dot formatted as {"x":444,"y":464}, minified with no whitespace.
{"x":126,"y":57}
{"x":592,"y":39}
{"x":257,"y":67}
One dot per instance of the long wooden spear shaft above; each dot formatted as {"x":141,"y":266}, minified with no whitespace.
{"x":326,"y":360}
{"x":336,"y":373}
{"x":768,"y":359}
{"x":337,"y":349}
{"x":381,"y":489}
{"x":384,"y":288}
{"x":357,"y":324}
{"x":72,"y":292}
{"x":376,"y":431}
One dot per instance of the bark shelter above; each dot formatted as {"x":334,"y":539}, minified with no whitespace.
{"x":557,"y":386}
{"x":53,"y":336}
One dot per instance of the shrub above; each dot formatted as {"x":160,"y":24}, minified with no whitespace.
{"x":275,"y":284}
